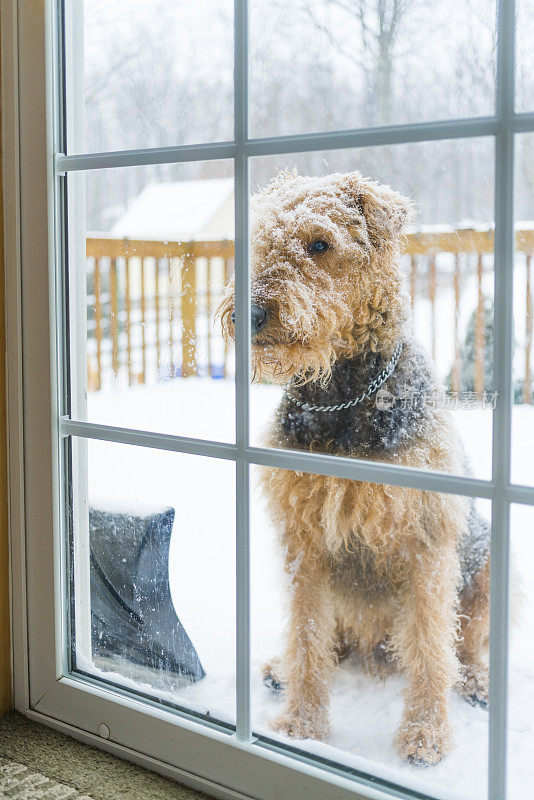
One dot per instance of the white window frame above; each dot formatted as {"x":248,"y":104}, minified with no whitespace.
{"x":205,"y":757}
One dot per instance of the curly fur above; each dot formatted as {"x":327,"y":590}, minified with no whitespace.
{"x":399,"y":575}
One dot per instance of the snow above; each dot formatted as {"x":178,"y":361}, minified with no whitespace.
{"x":364,"y":712}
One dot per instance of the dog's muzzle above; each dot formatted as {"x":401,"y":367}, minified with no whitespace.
{"x":258,"y":317}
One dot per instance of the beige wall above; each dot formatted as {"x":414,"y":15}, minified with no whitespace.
{"x":5,"y":651}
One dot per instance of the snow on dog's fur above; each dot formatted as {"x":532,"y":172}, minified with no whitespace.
{"x":399,"y":575}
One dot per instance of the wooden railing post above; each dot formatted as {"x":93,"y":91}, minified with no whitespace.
{"x":456,"y":367}
{"x":208,"y":314}
{"x":480,"y":324}
{"x":189,"y":313}
{"x":170,"y":302}
{"x":98,"y":322}
{"x":413,"y":281}
{"x":432,"y":296}
{"x":114,"y":317}
{"x":142,"y":377}
{"x":227,"y":275}
{"x":157,"y":313}
{"x":128,"y":304}
{"x":527,"y":386}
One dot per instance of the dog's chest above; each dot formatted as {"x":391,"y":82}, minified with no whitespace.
{"x":364,"y":430}
{"x":362,"y":573}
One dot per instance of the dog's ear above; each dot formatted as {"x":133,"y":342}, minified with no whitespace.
{"x":385,"y":211}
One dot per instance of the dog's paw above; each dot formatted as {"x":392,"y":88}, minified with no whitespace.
{"x":271,"y":677}
{"x":421,"y":744}
{"x":475,"y":685}
{"x":300,"y":726}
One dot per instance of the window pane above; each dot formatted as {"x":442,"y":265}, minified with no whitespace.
{"x":341,"y":574}
{"x":523,"y":410}
{"x":149,"y":555}
{"x":148,"y":73}
{"x":149,"y":258}
{"x":330,"y":321}
{"x":521,"y":675}
{"x":323,"y":65}
{"x":525,"y":57}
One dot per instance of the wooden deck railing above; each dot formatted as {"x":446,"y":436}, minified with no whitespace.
{"x":151,"y":303}
{"x":146,"y":300}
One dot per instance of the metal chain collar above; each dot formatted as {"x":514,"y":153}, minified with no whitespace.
{"x":373,"y":387}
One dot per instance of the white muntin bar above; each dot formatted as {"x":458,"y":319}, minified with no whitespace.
{"x":152,"y":155}
{"x":503,"y":344}
{"x":520,"y":494}
{"x":373,"y":137}
{"x":353,"y":469}
{"x":158,"y":441}
{"x":523,"y":123}
{"x":340,"y":467}
{"x":372,"y":471}
{"x":356,"y":137}
{"x":242,"y":373}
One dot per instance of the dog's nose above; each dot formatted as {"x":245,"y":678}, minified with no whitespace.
{"x":258,"y":315}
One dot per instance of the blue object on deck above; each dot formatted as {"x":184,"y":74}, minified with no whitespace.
{"x":132,"y":614}
{"x":217,"y":371}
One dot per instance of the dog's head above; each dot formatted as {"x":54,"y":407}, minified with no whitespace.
{"x":324,"y":275}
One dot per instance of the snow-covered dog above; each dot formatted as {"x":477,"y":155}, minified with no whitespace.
{"x":397,"y":574}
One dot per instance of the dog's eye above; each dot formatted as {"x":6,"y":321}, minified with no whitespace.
{"x":320,"y":246}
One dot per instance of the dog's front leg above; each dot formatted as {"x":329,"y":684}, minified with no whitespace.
{"x":424,"y":640}
{"x":310,"y":657}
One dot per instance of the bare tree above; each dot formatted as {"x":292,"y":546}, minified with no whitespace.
{"x":374,"y":29}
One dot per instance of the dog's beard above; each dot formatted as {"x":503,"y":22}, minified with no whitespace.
{"x":281,"y":362}
{"x":302,"y":347}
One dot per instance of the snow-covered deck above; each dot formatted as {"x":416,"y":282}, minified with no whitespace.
{"x":364,"y":712}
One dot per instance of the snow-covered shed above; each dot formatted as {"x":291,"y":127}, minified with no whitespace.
{"x":181,"y":211}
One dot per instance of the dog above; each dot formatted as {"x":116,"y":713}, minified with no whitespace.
{"x":399,"y":576}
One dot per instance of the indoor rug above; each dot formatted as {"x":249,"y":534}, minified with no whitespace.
{"x":38,"y":763}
